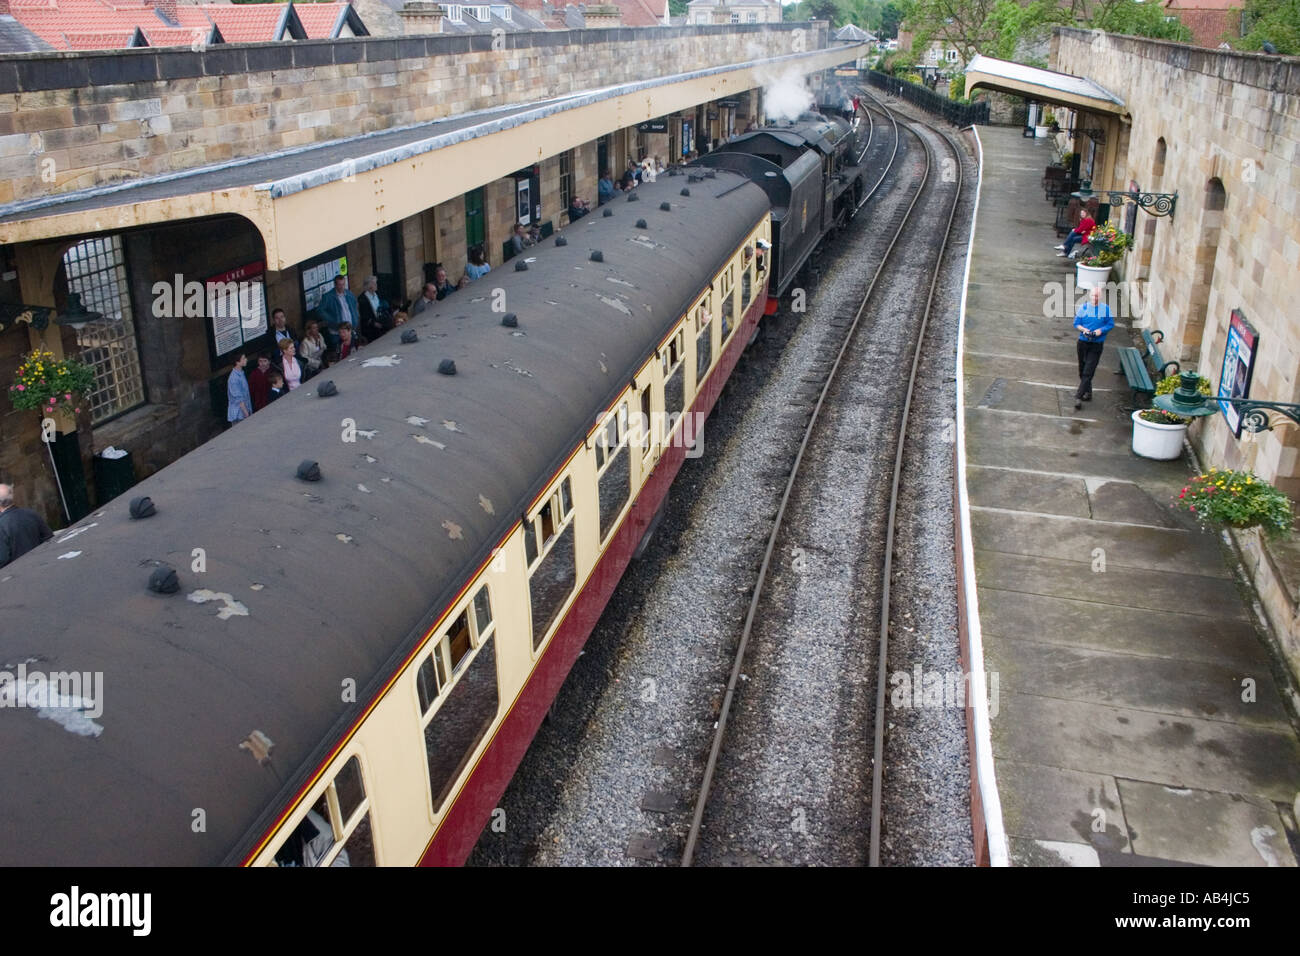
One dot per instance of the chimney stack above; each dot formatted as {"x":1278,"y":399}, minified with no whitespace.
{"x":168,"y":10}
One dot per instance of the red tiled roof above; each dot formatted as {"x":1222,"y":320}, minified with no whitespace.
{"x":1176,"y":5}
{"x":318,"y":19}
{"x":101,"y":24}
{"x":636,"y":13}
{"x":245,"y":22}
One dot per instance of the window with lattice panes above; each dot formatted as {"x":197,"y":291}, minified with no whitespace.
{"x":613,"y":468}
{"x":336,"y":830}
{"x":95,"y":269}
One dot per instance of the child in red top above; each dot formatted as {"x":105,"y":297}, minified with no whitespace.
{"x":1081,"y":232}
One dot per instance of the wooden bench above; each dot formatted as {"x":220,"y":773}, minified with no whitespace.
{"x":1133,"y":363}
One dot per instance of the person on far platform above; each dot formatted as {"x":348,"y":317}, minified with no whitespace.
{"x":1092,"y":321}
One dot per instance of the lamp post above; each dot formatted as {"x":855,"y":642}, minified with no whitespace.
{"x":1157,"y":204}
{"x":1186,"y":400}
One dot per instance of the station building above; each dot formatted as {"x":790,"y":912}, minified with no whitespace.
{"x":1219,"y":133}
{"x":127,"y":177}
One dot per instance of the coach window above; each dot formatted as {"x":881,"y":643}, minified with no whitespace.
{"x":613,"y":469}
{"x":336,"y":830}
{"x":670,"y":356}
{"x":552,"y":576}
{"x":703,"y":338}
{"x":747,"y":279}
{"x":728,"y":300}
{"x":457,"y":689}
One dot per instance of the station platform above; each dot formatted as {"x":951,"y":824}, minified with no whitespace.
{"x":1124,"y":731}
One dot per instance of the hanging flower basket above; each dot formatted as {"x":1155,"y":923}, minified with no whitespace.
{"x":1237,"y":499}
{"x":47,"y":384}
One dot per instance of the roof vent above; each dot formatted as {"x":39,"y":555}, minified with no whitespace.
{"x":142,"y":507}
{"x":608,"y":212}
{"x":446,"y":367}
{"x":685,"y":191}
{"x":597,"y":255}
{"x":666,"y":206}
{"x":308,"y":470}
{"x":409,"y":337}
{"x":163,"y":580}
{"x":672,"y":171}
{"x":326,"y":389}
{"x":561,"y":241}
{"x":710,"y":174}
{"x":510,"y":320}
{"x":692,"y":178}
{"x":521,"y":266}
{"x":641,"y":224}
{"x":633,"y":197}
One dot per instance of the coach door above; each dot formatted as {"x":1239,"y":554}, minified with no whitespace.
{"x":646,"y":437}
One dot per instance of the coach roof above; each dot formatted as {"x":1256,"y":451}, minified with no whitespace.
{"x":309,"y":584}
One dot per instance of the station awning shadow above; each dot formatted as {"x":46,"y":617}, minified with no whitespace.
{"x":1047,"y":86}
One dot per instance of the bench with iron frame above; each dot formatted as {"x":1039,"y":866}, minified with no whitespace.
{"x":1133,"y":364}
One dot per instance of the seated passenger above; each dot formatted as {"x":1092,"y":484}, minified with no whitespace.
{"x":477,"y":267}
{"x":577,"y":209}
{"x":534,"y":234}
{"x":443,"y":284}
{"x":347,"y":345}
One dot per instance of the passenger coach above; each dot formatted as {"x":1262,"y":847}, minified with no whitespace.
{"x":353,"y":667}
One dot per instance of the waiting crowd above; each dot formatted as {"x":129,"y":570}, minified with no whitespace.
{"x":340,"y":324}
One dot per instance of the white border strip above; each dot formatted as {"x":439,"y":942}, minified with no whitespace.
{"x":983,"y":736}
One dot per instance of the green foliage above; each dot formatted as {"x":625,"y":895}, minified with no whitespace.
{"x":677,"y":8}
{"x":1237,"y":499}
{"x":1138,"y":19}
{"x":1270,"y":21}
{"x":891,"y":16}
{"x":993,"y":27}
{"x":1170,"y":382}
{"x":823,"y":10}
{"x":43,"y":382}
{"x":914,"y":78}
{"x":1158,"y":416}
{"x":957,"y":88}
{"x":1108,"y":246}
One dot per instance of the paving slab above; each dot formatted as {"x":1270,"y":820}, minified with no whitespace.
{"x":995,"y":450}
{"x":1204,"y":826}
{"x":1125,"y":548}
{"x":1009,"y":395}
{"x":1048,"y":803}
{"x":1158,"y":748}
{"x":1051,"y":853}
{"x":1093,"y":431}
{"x":1167,"y":686}
{"x":1129,"y":501}
{"x":1123,"y":630}
{"x":1013,"y":490}
{"x":1210,"y":597}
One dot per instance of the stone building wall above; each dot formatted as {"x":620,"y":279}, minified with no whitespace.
{"x":68,"y":121}
{"x":1230,"y":125}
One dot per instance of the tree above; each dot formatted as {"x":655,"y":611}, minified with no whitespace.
{"x":891,"y":16}
{"x":1271,"y":21}
{"x":993,"y":27}
{"x":677,"y":8}
{"x":823,"y":10}
{"x":1138,"y":19}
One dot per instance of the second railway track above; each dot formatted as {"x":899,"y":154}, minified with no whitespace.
{"x":795,"y":771}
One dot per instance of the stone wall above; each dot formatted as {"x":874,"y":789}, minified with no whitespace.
{"x":69,"y":121}
{"x":1230,"y":126}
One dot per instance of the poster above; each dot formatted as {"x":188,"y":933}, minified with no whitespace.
{"x":318,"y":277}
{"x":1238,"y":367}
{"x":524,"y":205}
{"x":688,"y":137}
{"x":236,"y":307}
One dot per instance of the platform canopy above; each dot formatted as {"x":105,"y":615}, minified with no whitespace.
{"x":1047,"y":86}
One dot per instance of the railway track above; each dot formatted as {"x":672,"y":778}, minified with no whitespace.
{"x":749,"y":791}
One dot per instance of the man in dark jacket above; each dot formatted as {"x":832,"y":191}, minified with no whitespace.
{"x":21,"y":529}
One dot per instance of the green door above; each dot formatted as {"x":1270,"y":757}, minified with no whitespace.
{"x":475,"y":227}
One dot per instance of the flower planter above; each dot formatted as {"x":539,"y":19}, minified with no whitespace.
{"x":1161,"y":442}
{"x":1088,"y":276}
{"x":1041,"y":132}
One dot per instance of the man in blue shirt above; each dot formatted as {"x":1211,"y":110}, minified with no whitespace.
{"x":1092,"y":321}
{"x":605,"y":188}
{"x":339,"y":307}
